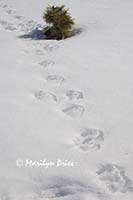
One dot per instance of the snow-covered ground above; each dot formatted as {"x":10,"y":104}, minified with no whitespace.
{"x":66,"y":102}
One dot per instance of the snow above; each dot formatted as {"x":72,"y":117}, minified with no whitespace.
{"x":68,"y":100}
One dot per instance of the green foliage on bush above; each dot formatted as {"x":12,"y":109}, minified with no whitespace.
{"x":59,"y":22}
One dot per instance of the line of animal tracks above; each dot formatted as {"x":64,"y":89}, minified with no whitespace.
{"x":69,"y":103}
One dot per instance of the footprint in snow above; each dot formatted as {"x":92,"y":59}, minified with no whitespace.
{"x":39,"y":52}
{"x":21,"y":26}
{"x":55,"y":79}
{"x":74,"y":95}
{"x":63,"y":188}
{"x":46,"y":46}
{"x":46,"y":96}
{"x":47,"y":63}
{"x":115,"y":178}
{"x":50,"y":47}
{"x":19,"y":17}
{"x":4,"y":6}
{"x":8,"y":26}
{"x":9,"y":12}
{"x":74,"y":110}
{"x":89,"y":139}
{"x":26,"y":25}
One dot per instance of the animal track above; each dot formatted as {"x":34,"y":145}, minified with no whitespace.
{"x":115,"y":178}
{"x":4,"y":6}
{"x":27,"y":25}
{"x":74,"y":110}
{"x":46,"y":96}
{"x":47,"y":46}
{"x":74,"y":95}
{"x":38,"y":52}
{"x":10,"y":12}
{"x":55,"y":79}
{"x":7,"y":26}
{"x":62,"y":188}
{"x":67,"y":188}
{"x":23,"y":26}
{"x":19,"y":17}
{"x":51,"y":47}
{"x":89,"y":138}
{"x":47,"y":63}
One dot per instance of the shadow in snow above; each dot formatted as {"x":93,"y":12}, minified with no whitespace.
{"x":38,"y":34}
{"x":35,"y":34}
